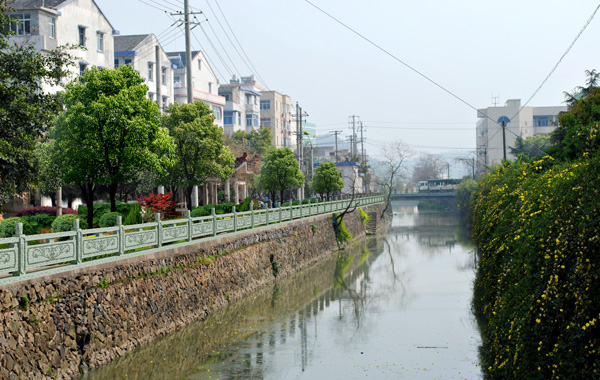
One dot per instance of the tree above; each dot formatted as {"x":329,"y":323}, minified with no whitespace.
{"x":580,"y":92}
{"x":26,"y":110}
{"x":429,"y":166}
{"x":199,"y":149}
{"x":109,"y":132}
{"x":577,"y":135}
{"x":327,"y":179}
{"x":393,"y":157}
{"x":280,"y":171}
{"x":531,"y":147}
{"x":260,"y":140}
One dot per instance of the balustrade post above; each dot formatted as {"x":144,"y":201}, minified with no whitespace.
{"x":234,"y":220}
{"x":188,"y":215}
{"x":251,"y":215}
{"x":280,"y":207}
{"x":21,"y":245}
{"x":121,"y":233}
{"x":79,"y":242}
{"x":214,"y":221}
{"x":159,"y":229}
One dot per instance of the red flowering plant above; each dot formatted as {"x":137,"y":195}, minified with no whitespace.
{"x":162,"y":203}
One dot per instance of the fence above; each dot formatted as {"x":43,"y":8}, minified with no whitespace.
{"x":32,"y":256}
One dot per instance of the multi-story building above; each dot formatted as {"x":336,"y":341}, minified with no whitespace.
{"x":518,"y":121}
{"x":48,"y":24}
{"x":276,"y":112}
{"x":242,"y":107}
{"x":205,"y":84}
{"x":144,"y":53}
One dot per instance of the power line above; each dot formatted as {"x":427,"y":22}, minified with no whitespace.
{"x":241,"y":47}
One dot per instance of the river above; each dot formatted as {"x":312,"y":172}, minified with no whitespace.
{"x":396,"y":307}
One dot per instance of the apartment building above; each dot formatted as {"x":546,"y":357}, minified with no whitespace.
{"x":276,"y":112}
{"x":242,"y":104}
{"x":47,"y":24}
{"x":205,"y":84}
{"x":518,"y":121}
{"x":144,"y":53}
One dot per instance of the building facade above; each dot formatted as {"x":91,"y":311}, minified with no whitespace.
{"x":144,"y":53}
{"x":205,"y":83}
{"x":276,"y":112}
{"x":47,"y":24}
{"x":242,"y":104}
{"x":518,"y":121}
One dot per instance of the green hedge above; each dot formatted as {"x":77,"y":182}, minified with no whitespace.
{"x":221,"y":208}
{"x":7,"y":227}
{"x":109,"y":219}
{"x":103,"y":208}
{"x":537,"y":230}
{"x":65,"y":223}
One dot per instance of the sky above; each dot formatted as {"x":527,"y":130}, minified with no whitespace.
{"x":472,"y":49}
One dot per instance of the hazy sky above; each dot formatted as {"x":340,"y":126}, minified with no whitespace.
{"x":474,"y":49}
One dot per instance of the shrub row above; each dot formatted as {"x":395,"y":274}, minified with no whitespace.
{"x":537,"y":229}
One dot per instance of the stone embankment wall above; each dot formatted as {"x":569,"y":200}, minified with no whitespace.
{"x":58,"y":327}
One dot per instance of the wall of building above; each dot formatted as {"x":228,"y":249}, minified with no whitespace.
{"x":89,"y":317}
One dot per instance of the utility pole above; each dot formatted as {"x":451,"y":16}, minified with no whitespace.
{"x":299,"y":145}
{"x":336,"y":133}
{"x":362,"y":143}
{"x":188,"y":52}
{"x":353,"y":145}
{"x":504,"y":138}
{"x":352,"y":142}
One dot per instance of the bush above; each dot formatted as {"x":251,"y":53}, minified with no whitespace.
{"x":103,"y":208}
{"x":65,"y":223}
{"x":48,"y":210}
{"x":223,"y":208}
{"x":109,"y":219}
{"x":7,"y":227}
{"x":537,"y":226}
{"x":245,"y":206}
{"x":364,"y":217}
{"x":134,"y":216}
{"x":40,"y":221}
{"x":161,"y":203}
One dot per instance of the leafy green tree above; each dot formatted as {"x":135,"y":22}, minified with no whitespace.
{"x":531,"y":147}
{"x":26,"y":110}
{"x":580,"y":92}
{"x":260,"y":140}
{"x":280,"y":171}
{"x":109,"y":132}
{"x":199,"y":149}
{"x":327,"y":179}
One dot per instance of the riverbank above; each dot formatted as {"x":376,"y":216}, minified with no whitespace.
{"x":58,"y":327}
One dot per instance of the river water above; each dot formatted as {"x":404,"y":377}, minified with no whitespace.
{"x":396,"y":307}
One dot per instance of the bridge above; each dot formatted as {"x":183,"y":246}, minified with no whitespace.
{"x":423,"y":196}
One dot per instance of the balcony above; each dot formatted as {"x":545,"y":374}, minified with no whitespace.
{"x":252,"y":108}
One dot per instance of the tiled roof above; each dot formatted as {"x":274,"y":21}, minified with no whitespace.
{"x":128,"y":43}
{"x":18,"y":4}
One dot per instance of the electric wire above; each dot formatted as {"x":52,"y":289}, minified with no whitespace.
{"x":216,"y":51}
{"x":223,"y":47}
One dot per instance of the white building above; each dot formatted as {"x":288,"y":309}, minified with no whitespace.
{"x":276,"y":112}
{"x":144,"y":53}
{"x":48,"y":24}
{"x":205,"y":84}
{"x":242,"y":107}
{"x":518,"y":121}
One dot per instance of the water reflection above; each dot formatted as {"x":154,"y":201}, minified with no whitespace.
{"x":396,"y":308}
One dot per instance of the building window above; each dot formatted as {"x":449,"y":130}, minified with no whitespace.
{"x":209,"y":87}
{"x":199,"y":65}
{"x":20,"y":23}
{"x":100,"y":39}
{"x":265,"y":104}
{"x":116,"y":63}
{"x":150,"y":67}
{"x":163,"y":75}
{"x":228,"y":117}
{"x":128,"y":62}
{"x":239,"y":119}
{"x":252,"y":121}
{"x":265,"y":122}
{"x":51,"y":27}
{"x":82,"y":36}
{"x":82,"y":67}
{"x":248,"y":99}
{"x":227,"y":97}
{"x":165,"y":102}
{"x":217,"y":112}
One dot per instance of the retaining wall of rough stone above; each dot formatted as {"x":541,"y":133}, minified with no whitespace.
{"x":57,"y":327}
